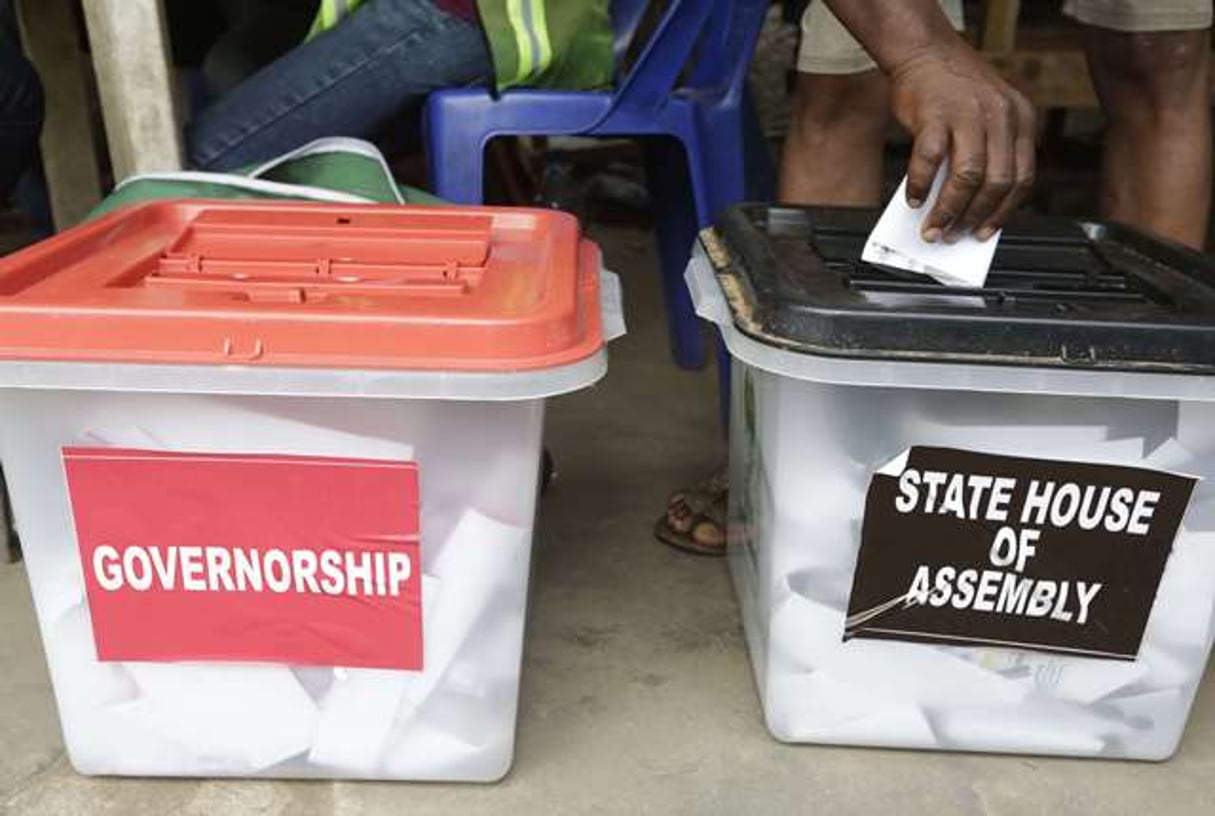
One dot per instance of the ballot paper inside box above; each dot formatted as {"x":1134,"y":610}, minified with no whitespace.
{"x":1091,"y":645}
{"x":277,"y":479}
{"x":349,"y":647}
{"x":796,"y":571}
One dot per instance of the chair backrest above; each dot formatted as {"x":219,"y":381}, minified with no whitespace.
{"x":723,"y":57}
{"x":709,"y":43}
{"x":665,"y":55}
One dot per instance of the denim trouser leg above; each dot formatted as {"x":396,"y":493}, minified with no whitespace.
{"x":20,"y":114}
{"x":350,"y":81}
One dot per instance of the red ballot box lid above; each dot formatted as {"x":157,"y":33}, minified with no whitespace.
{"x":308,"y":285}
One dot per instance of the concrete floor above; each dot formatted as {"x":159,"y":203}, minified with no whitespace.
{"x":637,"y":691}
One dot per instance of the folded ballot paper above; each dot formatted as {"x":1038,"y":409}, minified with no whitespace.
{"x":896,"y":242}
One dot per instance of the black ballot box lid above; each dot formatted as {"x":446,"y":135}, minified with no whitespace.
{"x":1061,"y":293}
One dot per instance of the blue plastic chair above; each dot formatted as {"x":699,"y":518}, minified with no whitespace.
{"x":687,"y":86}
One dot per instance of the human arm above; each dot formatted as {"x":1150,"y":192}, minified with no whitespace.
{"x":957,"y":109}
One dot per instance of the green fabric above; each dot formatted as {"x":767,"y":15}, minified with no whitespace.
{"x":565,"y":44}
{"x":326,"y":166}
{"x":344,"y":173}
{"x":559,"y":44}
{"x":152,"y":189}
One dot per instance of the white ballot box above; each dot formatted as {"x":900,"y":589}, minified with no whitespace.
{"x":976,"y":519}
{"x":276,"y":470}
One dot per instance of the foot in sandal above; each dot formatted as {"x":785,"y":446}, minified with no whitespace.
{"x":695,"y":520}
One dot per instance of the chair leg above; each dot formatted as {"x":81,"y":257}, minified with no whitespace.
{"x":455,"y":162}
{"x":676,"y":225}
{"x":734,"y":133}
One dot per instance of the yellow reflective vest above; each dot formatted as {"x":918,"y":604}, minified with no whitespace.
{"x":565,"y":44}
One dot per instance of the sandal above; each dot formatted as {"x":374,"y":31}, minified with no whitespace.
{"x":695,"y":520}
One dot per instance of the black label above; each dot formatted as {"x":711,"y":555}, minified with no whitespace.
{"x":969,"y":548}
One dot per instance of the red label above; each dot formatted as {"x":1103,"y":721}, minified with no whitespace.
{"x":249,"y":558}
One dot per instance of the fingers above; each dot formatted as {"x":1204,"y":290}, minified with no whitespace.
{"x":999,"y":174}
{"x":992,"y":163}
{"x":929,"y":151}
{"x":967,"y":171}
{"x":1023,"y":178}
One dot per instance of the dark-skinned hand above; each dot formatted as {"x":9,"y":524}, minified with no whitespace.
{"x":960,"y":112}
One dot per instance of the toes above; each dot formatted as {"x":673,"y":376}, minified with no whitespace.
{"x":679,"y":519}
{"x":708,"y":534}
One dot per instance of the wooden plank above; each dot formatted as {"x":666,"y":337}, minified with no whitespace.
{"x":135,"y":81}
{"x":1050,"y":79}
{"x":69,"y":157}
{"x":1000,"y":25}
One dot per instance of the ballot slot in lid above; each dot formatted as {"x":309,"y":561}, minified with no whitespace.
{"x":314,"y":254}
{"x":1060,"y":293}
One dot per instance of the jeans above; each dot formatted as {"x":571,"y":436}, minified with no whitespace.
{"x":259,"y":32}
{"x":373,"y":69}
{"x":20,"y":114}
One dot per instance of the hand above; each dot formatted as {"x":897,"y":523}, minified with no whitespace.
{"x":957,"y":108}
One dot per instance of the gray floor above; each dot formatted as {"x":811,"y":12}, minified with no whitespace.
{"x":637,"y":692}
